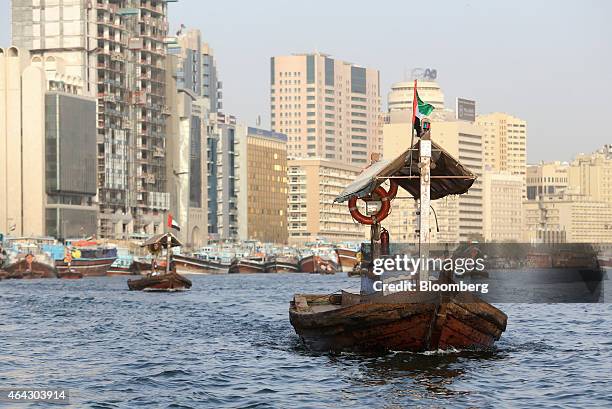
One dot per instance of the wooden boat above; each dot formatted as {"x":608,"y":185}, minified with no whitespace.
{"x":280,"y":264}
{"x":89,"y":258}
{"x":29,"y":267}
{"x":315,"y":264}
{"x":160,"y":282}
{"x":71,"y":274}
{"x":195,"y":265}
{"x":347,"y":259}
{"x":399,"y":322}
{"x":249,"y":265}
{"x":169,"y":280}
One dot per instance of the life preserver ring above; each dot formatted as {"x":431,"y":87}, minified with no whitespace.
{"x":382,"y":213}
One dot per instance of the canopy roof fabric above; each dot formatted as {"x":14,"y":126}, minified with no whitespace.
{"x":161,"y":239}
{"x":448,"y":176}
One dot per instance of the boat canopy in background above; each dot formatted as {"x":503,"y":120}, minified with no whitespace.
{"x":448,"y":176}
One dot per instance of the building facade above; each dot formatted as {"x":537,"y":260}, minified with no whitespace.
{"x":117,"y":48}
{"x":47,"y":148}
{"x":227,"y":181}
{"x":502,"y":206}
{"x":328,"y":108}
{"x":313,"y":185}
{"x":547,"y":179}
{"x":504,"y":142}
{"x":568,"y":219}
{"x":267,"y":186}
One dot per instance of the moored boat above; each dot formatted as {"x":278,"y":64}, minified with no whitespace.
{"x":197,"y":265}
{"x":70,"y":274}
{"x":281,"y":264}
{"x":88,"y":257}
{"x":248,"y":265}
{"x":29,"y":266}
{"x":315,"y":264}
{"x":347,"y":259}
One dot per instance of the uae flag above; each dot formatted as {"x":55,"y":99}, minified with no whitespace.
{"x":172,"y":223}
{"x":420,"y":110}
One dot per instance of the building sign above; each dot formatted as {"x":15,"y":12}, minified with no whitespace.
{"x":425,"y":74}
{"x":466,"y":110}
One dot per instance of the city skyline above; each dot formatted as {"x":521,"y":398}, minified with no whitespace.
{"x":542,"y":91}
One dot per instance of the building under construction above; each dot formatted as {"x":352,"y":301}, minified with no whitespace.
{"x":117,"y":47}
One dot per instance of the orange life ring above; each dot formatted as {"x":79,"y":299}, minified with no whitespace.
{"x":380,"y":216}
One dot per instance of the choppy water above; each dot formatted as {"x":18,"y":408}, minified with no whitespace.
{"x":228,"y":343}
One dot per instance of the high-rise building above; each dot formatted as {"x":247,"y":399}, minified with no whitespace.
{"x":463,"y":140}
{"x":117,"y":47}
{"x":328,"y":108}
{"x":211,"y":85}
{"x":591,"y":175}
{"x":227,"y":182}
{"x":502,"y":210}
{"x":267,"y":186}
{"x":313,"y":185}
{"x":504,"y":142}
{"x":47,"y":148}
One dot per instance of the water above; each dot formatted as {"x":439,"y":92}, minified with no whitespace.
{"x":228,"y":343}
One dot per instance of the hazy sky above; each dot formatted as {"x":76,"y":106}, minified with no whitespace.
{"x":544,"y":61}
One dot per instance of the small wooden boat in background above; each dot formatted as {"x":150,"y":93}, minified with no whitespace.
{"x":88,"y":257}
{"x":166,"y":280}
{"x":160,"y":282}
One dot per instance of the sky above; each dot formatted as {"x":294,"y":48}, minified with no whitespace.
{"x":547,"y":61}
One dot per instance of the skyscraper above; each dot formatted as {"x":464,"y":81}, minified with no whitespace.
{"x":117,"y":48}
{"x":328,"y":108}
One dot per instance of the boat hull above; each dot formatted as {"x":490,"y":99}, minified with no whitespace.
{"x":347,"y":259}
{"x":399,"y":322}
{"x":194,"y":265}
{"x":87,"y":267}
{"x":162,"y":282}
{"x":282,"y":267}
{"x":22,"y":270}
{"x":247,"y":267}
{"x":317,"y":265}
{"x":70,"y":275}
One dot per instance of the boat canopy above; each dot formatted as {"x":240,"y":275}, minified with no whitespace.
{"x":448,"y":176}
{"x":160,"y":239}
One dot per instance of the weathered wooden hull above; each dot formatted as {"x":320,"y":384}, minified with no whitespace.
{"x":69,"y":275}
{"x":282,"y":266}
{"x":401,"y":322}
{"x":88,"y":267}
{"x":317,"y":265}
{"x":247,"y":267}
{"x":194,"y":265}
{"x":21,"y":270}
{"x":347,"y":259}
{"x":162,"y":282}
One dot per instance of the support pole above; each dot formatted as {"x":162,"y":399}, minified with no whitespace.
{"x":424,"y":202}
{"x":168,"y":250}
